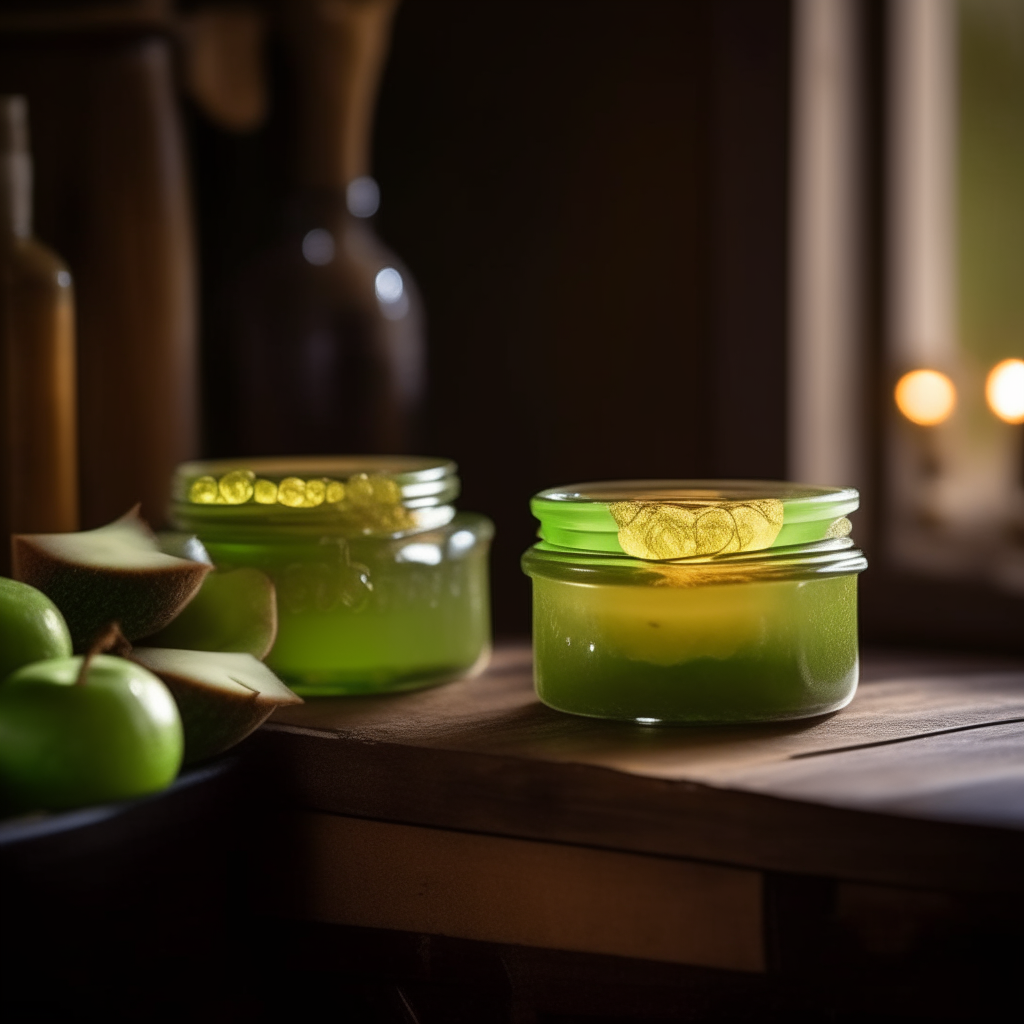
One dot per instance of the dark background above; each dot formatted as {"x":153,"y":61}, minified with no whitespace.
{"x":592,"y":195}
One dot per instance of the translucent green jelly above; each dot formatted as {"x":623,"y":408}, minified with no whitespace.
{"x":381,"y":584}
{"x":678,"y":601}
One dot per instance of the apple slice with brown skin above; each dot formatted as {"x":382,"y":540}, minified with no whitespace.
{"x":221,"y":697}
{"x":114,"y":574}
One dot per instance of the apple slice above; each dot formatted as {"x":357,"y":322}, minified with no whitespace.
{"x":114,"y":574}
{"x":222,"y":697}
{"x":234,"y":611}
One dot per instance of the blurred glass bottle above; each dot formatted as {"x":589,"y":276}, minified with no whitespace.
{"x":326,"y":327}
{"x":112,"y":194}
{"x":38,"y":458}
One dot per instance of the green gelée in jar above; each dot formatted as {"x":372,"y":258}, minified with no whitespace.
{"x":695,"y":601}
{"x":381,"y":584}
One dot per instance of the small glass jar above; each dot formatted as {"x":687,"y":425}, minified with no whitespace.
{"x":695,"y":601}
{"x":381,"y":584}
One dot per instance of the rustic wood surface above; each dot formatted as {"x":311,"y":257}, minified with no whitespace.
{"x":520,"y":892}
{"x":919,"y":782}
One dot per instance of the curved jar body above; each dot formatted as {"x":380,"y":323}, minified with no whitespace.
{"x":692,"y":601}
{"x":381,"y":584}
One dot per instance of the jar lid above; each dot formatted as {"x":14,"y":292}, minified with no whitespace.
{"x":666,"y":520}
{"x":371,"y":493}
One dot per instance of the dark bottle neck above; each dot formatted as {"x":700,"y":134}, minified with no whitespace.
{"x":15,"y":196}
{"x":320,"y":208}
{"x":338,"y":47}
{"x":15,"y":170}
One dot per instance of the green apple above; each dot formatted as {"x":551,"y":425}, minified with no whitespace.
{"x":31,"y":627}
{"x":70,"y":738}
{"x":114,"y":574}
{"x":222,"y":697}
{"x":235,"y":610}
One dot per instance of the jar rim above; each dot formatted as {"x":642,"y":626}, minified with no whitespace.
{"x":420,"y":480}
{"x":681,"y":520}
{"x":357,"y":493}
{"x":708,"y":491}
{"x":833,"y":557}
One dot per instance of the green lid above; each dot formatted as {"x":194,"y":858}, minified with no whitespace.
{"x":662,"y":520}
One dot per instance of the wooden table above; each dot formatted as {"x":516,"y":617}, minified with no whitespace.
{"x":473,"y":811}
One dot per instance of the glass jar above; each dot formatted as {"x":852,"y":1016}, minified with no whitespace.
{"x":695,"y":601}
{"x":381,"y":584}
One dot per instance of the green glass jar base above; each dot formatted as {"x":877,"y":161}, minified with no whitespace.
{"x":704,"y":692}
{"x":766,"y":652}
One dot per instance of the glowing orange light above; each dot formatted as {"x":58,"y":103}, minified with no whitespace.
{"x":926,"y":397}
{"x":1004,"y":390}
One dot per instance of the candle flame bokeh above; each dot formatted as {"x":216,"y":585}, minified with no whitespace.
{"x":925,"y":397}
{"x":1004,"y":390}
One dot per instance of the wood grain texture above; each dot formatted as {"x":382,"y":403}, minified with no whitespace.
{"x":499,"y":713}
{"x":113,"y":198}
{"x":380,"y":875}
{"x":912,"y":784}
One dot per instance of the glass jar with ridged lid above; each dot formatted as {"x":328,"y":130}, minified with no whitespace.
{"x":381,"y":584}
{"x":675,"y":601}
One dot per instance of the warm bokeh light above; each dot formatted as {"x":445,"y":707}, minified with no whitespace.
{"x":926,"y":397}
{"x":1004,"y":390}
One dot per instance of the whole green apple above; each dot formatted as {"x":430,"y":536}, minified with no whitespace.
{"x":67,"y":741}
{"x":31,"y":627}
